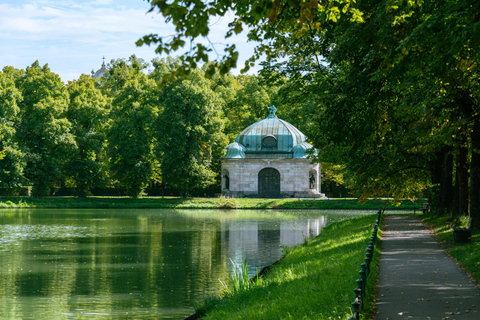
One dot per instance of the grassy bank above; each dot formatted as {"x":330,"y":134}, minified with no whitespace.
{"x":467,"y":255}
{"x":184,"y":203}
{"x":313,"y":281}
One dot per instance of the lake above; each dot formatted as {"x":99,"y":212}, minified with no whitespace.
{"x":136,"y":264}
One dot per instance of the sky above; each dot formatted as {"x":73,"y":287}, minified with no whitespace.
{"x":73,"y":36}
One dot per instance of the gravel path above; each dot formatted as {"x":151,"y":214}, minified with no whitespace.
{"x":418,"y":280}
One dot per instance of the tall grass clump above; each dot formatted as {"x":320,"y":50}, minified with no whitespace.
{"x":239,"y":281}
{"x":227,"y":203}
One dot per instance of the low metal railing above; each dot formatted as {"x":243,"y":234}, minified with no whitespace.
{"x":360,"y":290}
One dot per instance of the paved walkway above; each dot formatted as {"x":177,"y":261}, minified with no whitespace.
{"x":417,"y":278}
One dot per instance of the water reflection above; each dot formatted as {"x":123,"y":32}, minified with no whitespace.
{"x":133,"y":264}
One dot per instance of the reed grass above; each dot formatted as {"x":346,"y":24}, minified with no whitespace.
{"x":240,"y":280}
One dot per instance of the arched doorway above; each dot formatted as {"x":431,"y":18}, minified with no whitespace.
{"x":269,"y":182}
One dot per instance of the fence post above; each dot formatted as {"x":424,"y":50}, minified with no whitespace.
{"x":356,"y":310}
{"x":360,"y":290}
{"x":363,"y":273}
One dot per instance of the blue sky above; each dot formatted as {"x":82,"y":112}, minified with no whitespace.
{"x":73,"y":36}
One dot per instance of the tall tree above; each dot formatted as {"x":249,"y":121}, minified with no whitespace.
{"x":131,"y":136}
{"x":87,"y":112}
{"x":12,"y":162}
{"x":191,"y":130}
{"x":44,"y":131}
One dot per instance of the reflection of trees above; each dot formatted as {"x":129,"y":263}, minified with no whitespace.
{"x":113,"y":263}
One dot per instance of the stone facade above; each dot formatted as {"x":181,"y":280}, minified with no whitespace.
{"x":243,"y":177}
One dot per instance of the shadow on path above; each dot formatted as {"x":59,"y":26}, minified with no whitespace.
{"x":418,"y":280}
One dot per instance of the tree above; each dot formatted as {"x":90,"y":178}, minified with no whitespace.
{"x":119,"y":72}
{"x":87,"y":112}
{"x":43,"y":131}
{"x":265,"y":19}
{"x":392,"y":71}
{"x":247,"y":104}
{"x":400,"y":49}
{"x":131,"y":136}
{"x":191,"y":128}
{"x":11,"y":157}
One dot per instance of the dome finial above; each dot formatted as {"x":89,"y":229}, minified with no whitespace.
{"x":271,"y":112}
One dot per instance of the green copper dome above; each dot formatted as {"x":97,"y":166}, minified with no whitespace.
{"x":270,"y":134}
{"x":269,"y":138}
{"x":235,"y":150}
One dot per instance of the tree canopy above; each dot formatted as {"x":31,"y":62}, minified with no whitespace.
{"x":43,"y":129}
{"x":388,"y":90}
{"x":123,"y":130}
{"x":192,"y":132}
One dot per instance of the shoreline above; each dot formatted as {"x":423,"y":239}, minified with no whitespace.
{"x":295,"y":283}
{"x":205,"y":203}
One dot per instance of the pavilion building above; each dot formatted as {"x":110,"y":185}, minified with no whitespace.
{"x":270,"y":158}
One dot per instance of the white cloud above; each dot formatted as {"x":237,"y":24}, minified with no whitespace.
{"x":47,"y":22}
{"x":72,"y":35}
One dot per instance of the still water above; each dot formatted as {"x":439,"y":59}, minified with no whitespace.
{"x":135,"y":264}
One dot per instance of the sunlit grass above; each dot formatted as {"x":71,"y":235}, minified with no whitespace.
{"x":17,"y":204}
{"x":313,"y":281}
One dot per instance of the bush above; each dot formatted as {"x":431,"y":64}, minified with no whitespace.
{"x":15,"y":192}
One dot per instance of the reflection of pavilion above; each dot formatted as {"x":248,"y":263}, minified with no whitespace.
{"x":261,"y":241}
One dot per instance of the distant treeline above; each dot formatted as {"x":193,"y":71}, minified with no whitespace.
{"x":125,"y":131}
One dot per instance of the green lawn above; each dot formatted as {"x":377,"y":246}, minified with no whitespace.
{"x":313,"y":281}
{"x":221,"y":202}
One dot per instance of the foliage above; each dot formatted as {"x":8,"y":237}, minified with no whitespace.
{"x":247,"y":106}
{"x":265,"y":19}
{"x":10,"y":204}
{"x":227,"y":203}
{"x":107,"y":132}
{"x":87,"y":113}
{"x":131,"y":136}
{"x":119,"y":72}
{"x":387,"y":101}
{"x":11,"y":157}
{"x":44,"y":132}
{"x":240,"y":280}
{"x":191,"y":127}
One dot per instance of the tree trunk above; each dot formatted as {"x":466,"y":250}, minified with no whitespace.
{"x":461,"y":182}
{"x":443,"y":175}
{"x":475,"y":175}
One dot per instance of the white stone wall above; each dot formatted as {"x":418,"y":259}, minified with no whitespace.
{"x":294,"y":176}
